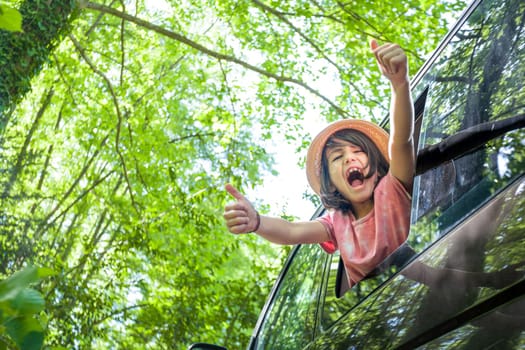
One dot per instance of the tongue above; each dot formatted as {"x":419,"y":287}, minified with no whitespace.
{"x":356,"y":182}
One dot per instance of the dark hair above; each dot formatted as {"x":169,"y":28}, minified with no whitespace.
{"x":330,"y":196}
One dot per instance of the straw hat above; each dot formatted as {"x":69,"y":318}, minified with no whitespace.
{"x":315,"y":152}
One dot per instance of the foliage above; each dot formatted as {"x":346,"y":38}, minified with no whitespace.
{"x":23,"y":54}
{"x":20,"y":306}
{"x":114,"y":164}
{"x":10,"y":19}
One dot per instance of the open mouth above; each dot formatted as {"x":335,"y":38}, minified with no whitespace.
{"x":355,"y":177}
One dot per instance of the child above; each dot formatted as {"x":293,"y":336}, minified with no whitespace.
{"x":364,"y":178}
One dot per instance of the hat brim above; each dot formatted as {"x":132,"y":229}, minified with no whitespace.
{"x":315,"y":152}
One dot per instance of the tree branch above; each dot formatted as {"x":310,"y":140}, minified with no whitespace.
{"x":81,"y":50}
{"x":119,"y":311}
{"x":283,"y":18}
{"x":72,"y":187}
{"x":14,"y":171}
{"x":209,"y":52}
{"x":198,"y":135}
{"x":48,"y":222}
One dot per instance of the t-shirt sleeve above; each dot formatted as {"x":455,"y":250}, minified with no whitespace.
{"x":392,"y":211}
{"x":394,"y":185}
{"x":329,"y":246}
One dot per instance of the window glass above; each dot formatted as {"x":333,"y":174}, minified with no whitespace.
{"x":339,"y":299}
{"x":501,"y":328}
{"x":290,"y":321}
{"x":477,"y":79}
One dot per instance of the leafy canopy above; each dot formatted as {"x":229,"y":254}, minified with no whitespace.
{"x":114,"y":163}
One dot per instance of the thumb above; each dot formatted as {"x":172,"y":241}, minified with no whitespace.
{"x":234,"y":192}
{"x":373,"y":44}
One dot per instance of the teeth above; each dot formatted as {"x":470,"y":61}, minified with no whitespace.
{"x":354,"y":170}
{"x":355,"y":174}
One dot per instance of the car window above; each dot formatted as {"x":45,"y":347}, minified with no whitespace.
{"x":476,"y":80}
{"x":338,"y":298}
{"x":291,"y":317}
{"x":500,"y":329}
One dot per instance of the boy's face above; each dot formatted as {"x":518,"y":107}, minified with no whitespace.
{"x":348,"y":168}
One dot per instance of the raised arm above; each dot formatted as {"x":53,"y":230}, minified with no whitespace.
{"x":393,"y":64}
{"x":241,"y":217}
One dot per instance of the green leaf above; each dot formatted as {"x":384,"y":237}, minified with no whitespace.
{"x":10,"y":19}
{"x":28,"y":302}
{"x":14,"y":284}
{"x":26,"y":332}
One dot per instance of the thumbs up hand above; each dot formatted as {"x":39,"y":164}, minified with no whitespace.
{"x":392,"y":61}
{"x":240,"y":215}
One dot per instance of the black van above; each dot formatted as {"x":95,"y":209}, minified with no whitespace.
{"x":458,"y":282}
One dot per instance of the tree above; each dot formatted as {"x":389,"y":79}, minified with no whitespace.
{"x":114,"y":163}
{"x":23,"y":53}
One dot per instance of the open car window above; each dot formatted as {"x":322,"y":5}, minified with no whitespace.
{"x":339,"y":298}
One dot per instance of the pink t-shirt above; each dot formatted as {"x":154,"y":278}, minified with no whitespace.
{"x":366,"y":242}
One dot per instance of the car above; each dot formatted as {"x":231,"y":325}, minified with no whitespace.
{"x":458,"y":281}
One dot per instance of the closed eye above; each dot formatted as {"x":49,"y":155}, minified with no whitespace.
{"x":336,"y":157}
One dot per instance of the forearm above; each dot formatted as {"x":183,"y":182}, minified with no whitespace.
{"x":401,"y":144}
{"x":281,"y":231}
{"x":401,"y":114}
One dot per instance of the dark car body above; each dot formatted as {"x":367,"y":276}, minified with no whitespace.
{"x":458,"y":282}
